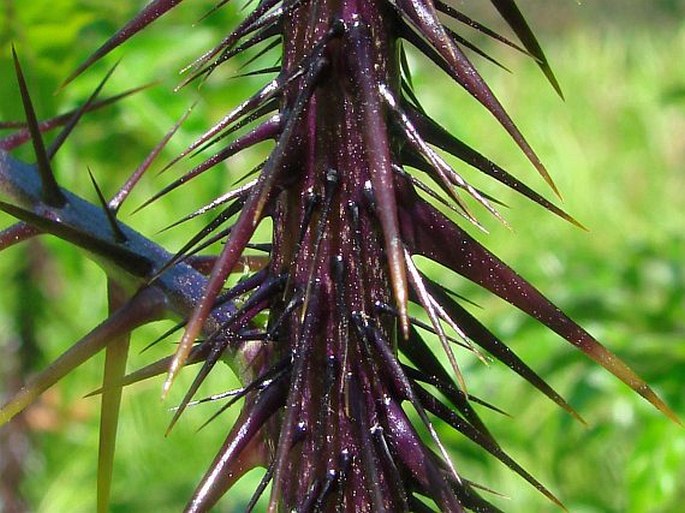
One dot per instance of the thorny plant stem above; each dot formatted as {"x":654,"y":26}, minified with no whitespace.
{"x":329,"y":377}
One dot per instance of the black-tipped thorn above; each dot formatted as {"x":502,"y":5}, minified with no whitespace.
{"x":78,"y":114}
{"x":51,"y":193}
{"x":119,"y":235}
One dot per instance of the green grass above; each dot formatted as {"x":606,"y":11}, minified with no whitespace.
{"x":616,"y":148}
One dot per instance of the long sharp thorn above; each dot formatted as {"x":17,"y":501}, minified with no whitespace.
{"x":213,"y":204}
{"x":147,"y":15}
{"x":240,"y":236}
{"x":116,"y":354}
{"x":462,"y":18}
{"x":52,"y":195}
{"x":23,"y":135}
{"x":426,"y":301}
{"x":116,"y":202}
{"x":470,"y":259}
{"x":118,"y":234}
{"x":212,"y":10}
{"x":382,"y":179}
{"x":78,"y":114}
{"x":459,"y":67}
{"x":146,"y":306}
{"x":512,"y":15}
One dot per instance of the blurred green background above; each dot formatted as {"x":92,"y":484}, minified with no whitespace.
{"x":615,"y":146}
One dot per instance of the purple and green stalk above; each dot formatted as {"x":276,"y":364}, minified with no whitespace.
{"x":325,"y":392}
